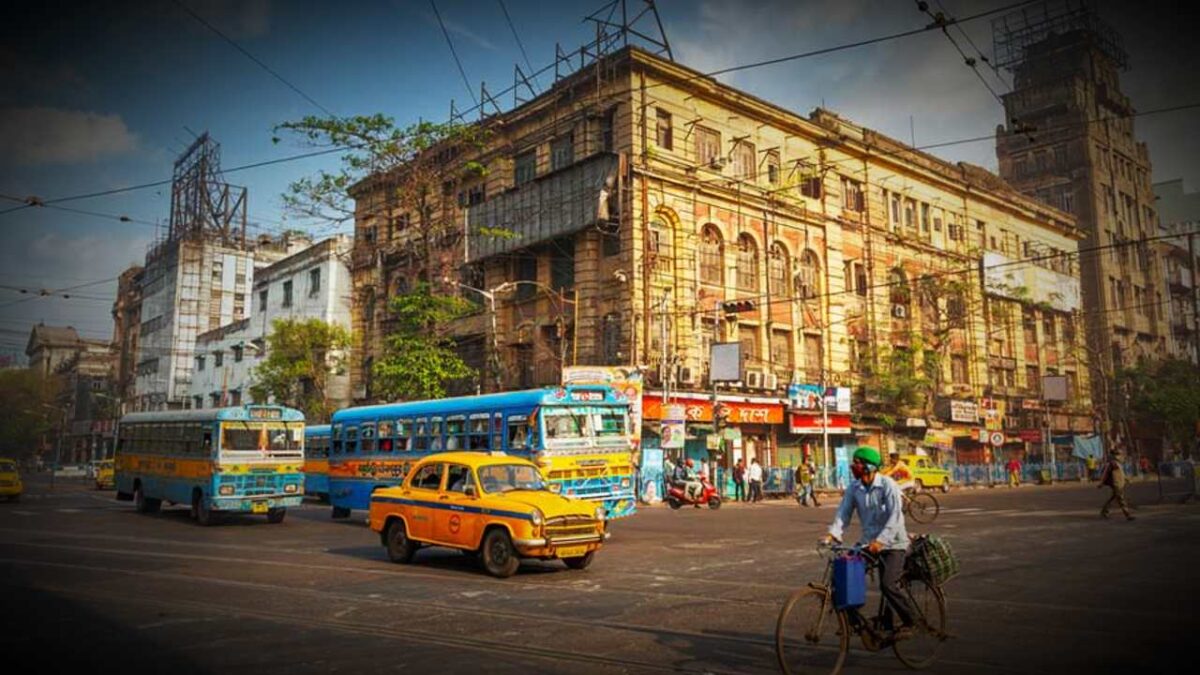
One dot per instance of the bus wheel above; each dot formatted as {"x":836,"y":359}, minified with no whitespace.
{"x":400,"y":548}
{"x":499,"y":557}
{"x":340,"y":512}
{"x":144,"y":504}
{"x":201,"y":511}
{"x":275,"y":516}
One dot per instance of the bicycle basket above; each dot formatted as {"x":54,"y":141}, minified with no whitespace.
{"x":932,"y":560}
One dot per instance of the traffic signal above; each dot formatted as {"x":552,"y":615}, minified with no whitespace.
{"x":737,"y":306}
{"x":720,"y":416}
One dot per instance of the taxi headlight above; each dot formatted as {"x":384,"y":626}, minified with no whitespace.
{"x":225,"y":490}
{"x":600,"y":513}
{"x":289,"y":488}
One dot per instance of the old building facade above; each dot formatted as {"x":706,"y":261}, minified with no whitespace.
{"x":651,"y":211}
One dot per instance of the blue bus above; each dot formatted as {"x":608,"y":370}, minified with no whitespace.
{"x":578,"y":434}
{"x":316,"y":461}
{"x":246,"y":459}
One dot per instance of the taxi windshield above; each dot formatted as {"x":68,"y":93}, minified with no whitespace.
{"x":508,"y":477}
{"x":8,"y":467}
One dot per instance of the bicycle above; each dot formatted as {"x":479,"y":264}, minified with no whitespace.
{"x":812,"y":636}
{"x":922,"y":507}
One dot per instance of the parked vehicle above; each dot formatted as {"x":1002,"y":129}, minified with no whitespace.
{"x":105,"y":478}
{"x":10,"y":480}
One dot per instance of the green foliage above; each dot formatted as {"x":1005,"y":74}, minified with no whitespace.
{"x":30,"y":412}
{"x":301,"y":355}
{"x":1166,"y":392}
{"x":419,"y":359}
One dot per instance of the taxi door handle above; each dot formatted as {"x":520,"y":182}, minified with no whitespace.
{"x":444,"y":497}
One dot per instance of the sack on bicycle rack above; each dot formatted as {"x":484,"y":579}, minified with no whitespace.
{"x":932,"y":560}
{"x":849,"y":581}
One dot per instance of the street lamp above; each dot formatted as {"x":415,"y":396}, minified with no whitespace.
{"x":490,"y":296}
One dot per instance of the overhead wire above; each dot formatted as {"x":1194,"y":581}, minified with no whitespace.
{"x":457,"y":62}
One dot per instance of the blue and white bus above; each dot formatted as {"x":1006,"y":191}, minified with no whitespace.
{"x":579,"y":435}
{"x":246,"y":459}
{"x":316,"y":461}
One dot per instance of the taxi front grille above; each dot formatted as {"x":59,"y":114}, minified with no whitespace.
{"x":570,"y":526}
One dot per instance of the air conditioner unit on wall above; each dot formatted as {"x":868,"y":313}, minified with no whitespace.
{"x":754,"y":379}
{"x":770,"y":381}
{"x":900,"y":311}
{"x":687,"y":376}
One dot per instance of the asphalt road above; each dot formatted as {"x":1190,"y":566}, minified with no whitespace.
{"x":1047,"y":587}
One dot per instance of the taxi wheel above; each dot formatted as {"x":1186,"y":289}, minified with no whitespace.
{"x":400,"y":548}
{"x":499,"y":557}
{"x":581,"y":562}
{"x":945,"y":486}
{"x":276,"y":516}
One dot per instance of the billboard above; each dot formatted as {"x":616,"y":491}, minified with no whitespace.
{"x":1019,"y":280}
{"x":726,"y":362}
{"x":809,"y":397}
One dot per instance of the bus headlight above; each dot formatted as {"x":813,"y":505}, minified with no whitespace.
{"x":289,"y":488}
{"x":600,"y":513}
{"x":225,"y":490}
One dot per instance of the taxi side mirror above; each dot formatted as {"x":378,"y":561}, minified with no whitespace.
{"x":556,"y":488}
{"x":470,"y":491}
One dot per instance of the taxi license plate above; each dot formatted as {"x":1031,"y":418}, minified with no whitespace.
{"x":571,"y":551}
{"x":258,"y":507}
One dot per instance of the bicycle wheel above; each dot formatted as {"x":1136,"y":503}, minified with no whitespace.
{"x":922,"y":648}
{"x":923,"y":507}
{"x":810,"y":637}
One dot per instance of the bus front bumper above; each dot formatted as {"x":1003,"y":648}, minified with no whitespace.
{"x":257,"y":503}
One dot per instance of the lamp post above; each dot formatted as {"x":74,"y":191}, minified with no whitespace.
{"x":490,"y":296}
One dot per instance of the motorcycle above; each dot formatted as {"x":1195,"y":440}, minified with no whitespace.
{"x":677,"y":496}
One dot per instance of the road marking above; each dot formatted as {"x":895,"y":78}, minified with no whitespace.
{"x":961,"y":510}
{"x":24,"y":513}
{"x":69,"y":510}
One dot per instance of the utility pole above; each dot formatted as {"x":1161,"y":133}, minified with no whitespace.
{"x":1195,"y":313}
{"x":825,"y":423}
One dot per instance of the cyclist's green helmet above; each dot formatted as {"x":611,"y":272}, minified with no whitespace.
{"x":868,"y":455}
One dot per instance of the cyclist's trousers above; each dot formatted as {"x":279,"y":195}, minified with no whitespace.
{"x":889,"y":584}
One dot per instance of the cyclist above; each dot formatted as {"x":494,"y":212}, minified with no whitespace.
{"x":876,"y":498}
{"x":898,"y":471}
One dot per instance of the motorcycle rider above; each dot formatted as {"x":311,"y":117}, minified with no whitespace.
{"x":685,"y":479}
{"x":876,"y":498}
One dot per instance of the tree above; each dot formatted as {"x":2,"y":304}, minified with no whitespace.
{"x":301,"y":356}
{"x":419,"y":357}
{"x":1166,"y":392}
{"x":30,"y":413}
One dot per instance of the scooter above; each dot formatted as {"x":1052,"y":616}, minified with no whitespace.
{"x":677,"y":496}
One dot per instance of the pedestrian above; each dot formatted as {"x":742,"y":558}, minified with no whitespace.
{"x":1144,"y":465}
{"x":756,"y":480}
{"x":805,"y":476}
{"x":739,"y":481}
{"x":1014,"y":472}
{"x":1090,"y":462}
{"x":1113,"y":476}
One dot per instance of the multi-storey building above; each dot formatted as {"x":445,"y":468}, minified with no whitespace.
{"x":82,"y":370}
{"x":311,"y":284}
{"x":1179,"y":215}
{"x":1070,"y":142}
{"x":650,"y":211}
{"x":127,"y":319}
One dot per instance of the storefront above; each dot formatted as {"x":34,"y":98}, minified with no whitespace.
{"x":754,"y":426}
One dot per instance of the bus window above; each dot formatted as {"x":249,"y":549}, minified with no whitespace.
{"x":518,"y":431}
{"x":386,"y":429}
{"x":350,"y":443}
{"x":335,"y":434}
{"x":477,"y":439}
{"x":421,"y":435}
{"x":608,"y":421}
{"x":455,"y":432}
{"x":497,"y":431}
{"x":366,"y":438}
{"x":435,"y":434}
{"x":207,"y":447}
{"x":404,"y":430}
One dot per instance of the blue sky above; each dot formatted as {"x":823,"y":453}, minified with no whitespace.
{"x":96,"y":96}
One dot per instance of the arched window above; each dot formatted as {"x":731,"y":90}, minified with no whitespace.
{"x":712,"y":256}
{"x":808,"y":277}
{"x":660,"y":251}
{"x":898,"y":289}
{"x":778,"y":266}
{"x":747,"y":263}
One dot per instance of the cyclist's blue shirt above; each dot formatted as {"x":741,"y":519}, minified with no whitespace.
{"x":879,"y":508}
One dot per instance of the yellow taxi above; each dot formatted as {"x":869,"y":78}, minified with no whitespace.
{"x":10,"y":481}
{"x":926,"y":474}
{"x":105,"y":480}
{"x":491,"y":505}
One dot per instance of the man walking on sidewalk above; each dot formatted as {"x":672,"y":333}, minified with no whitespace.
{"x":756,"y":479}
{"x":1113,"y":476}
{"x":739,"y":481}
{"x":805,"y":476}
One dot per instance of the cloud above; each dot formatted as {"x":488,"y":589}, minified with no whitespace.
{"x":42,"y":135}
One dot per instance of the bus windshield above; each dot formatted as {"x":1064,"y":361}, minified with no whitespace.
{"x":507,"y":477}
{"x":283,"y":438}
{"x":583,"y":422}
